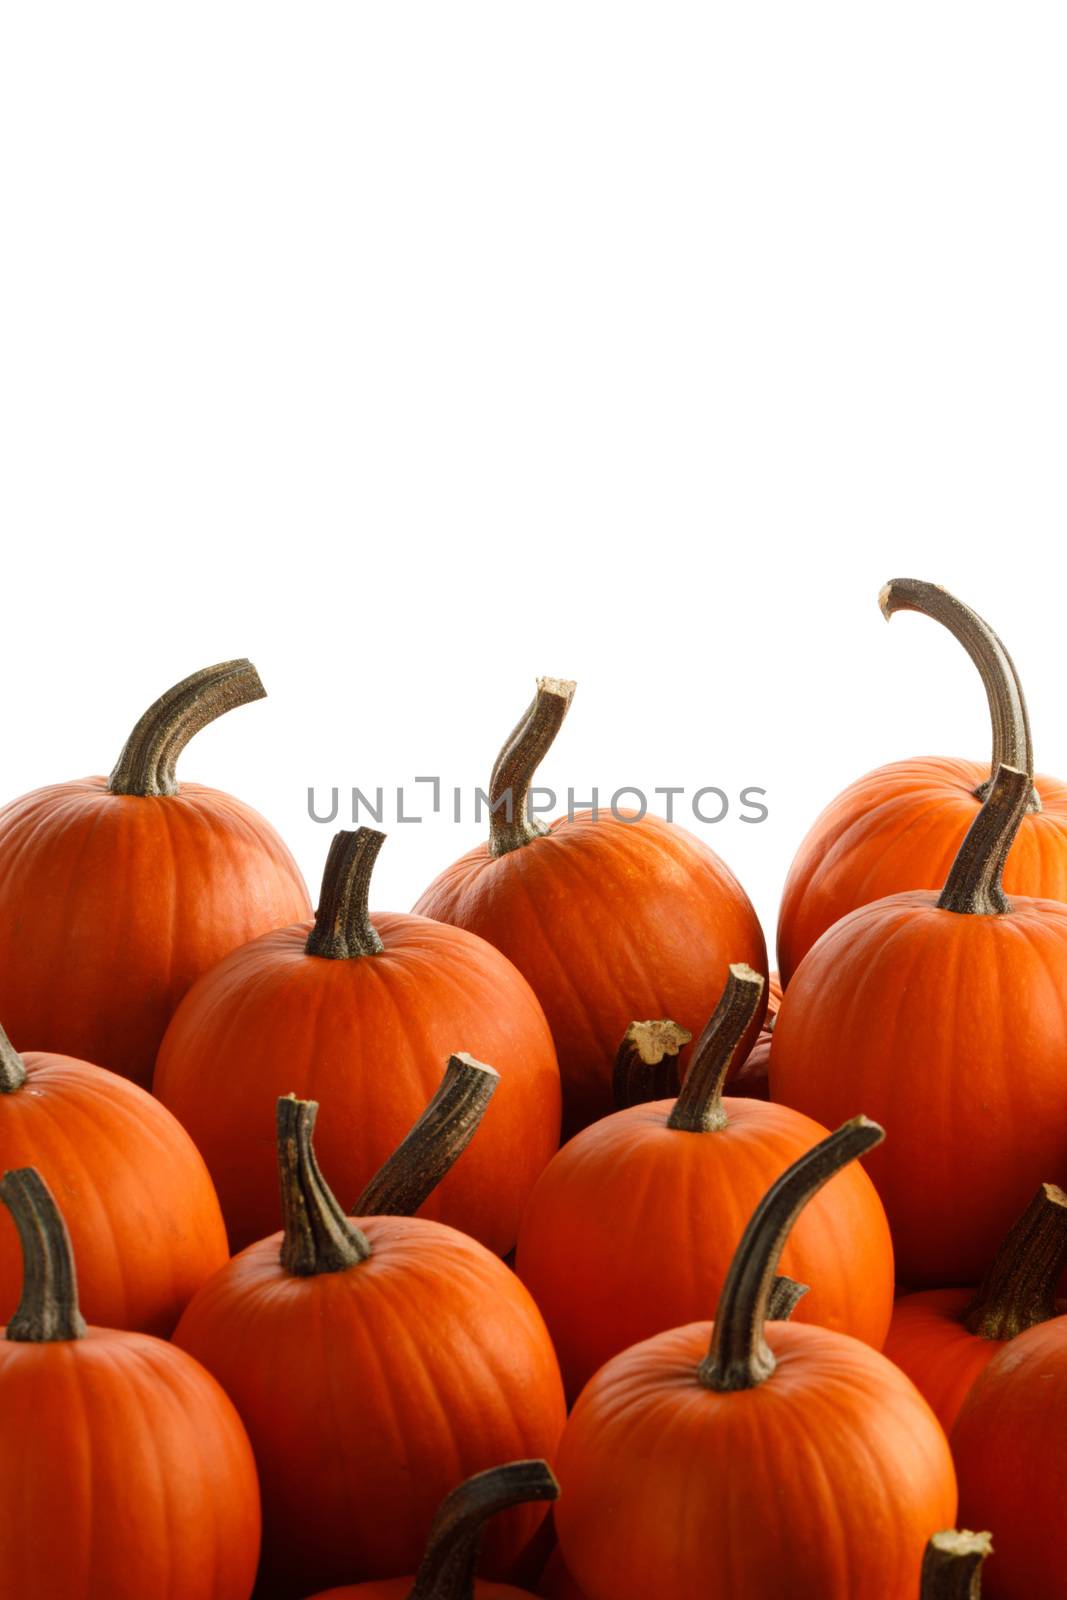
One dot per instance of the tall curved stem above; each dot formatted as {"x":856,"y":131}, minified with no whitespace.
{"x":699,"y":1107}
{"x":510,"y":826}
{"x":150,"y":755}
{"x":343,"y":929}
{"x":973,"y":887}
{"x":447,"y":1571}
{"x":48,"y":1310}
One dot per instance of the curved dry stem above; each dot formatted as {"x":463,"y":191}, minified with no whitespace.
{"x":150,"y":755}
{"x":646,"y":1063}
{"x":12,"y":1066}
{"x":343,"y":929}
{"x":699,"y":1107}
{"x":447,"y":1570}
{"x":48,"y":1310}
{"x":1019,"y":1290}
{"x":973,"y":887}
{"x":510,"y":827}
{"x":952,"y":1565}
{"x":318,"y":1236}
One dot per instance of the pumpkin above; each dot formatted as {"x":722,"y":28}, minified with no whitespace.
{"x":900,"y":826}
{"x":632,"y":1226}
{"x":376,"y":1362}
{"x":116,"y":893}
{"x":610,"y":916}
{"x":556,"y":1582}
{"x":952,"y":1565}
{"x":944,"y":1016}
{"x":752,"y":1078}
{"x":124,"y":1469}
{"x":146,"y":1225}
{"x":447,"y":1570}
{"x":944,"y":1338}
{"x":758,"y":1465}
{"x":1011,"y":1456}
{"x":360,"y":1015}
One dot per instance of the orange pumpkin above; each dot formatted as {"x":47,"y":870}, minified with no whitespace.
{"x":632,"y":1226}
{"x":146,"y":1225}
{"x":124,"y":1469}
{"x":944,"y":1338}
{"x":900,"y":827}
{"x":945,"y":1017}
{"x":608,"y":915}
{"x":361,"y":1015}
{"x":1010,"y":1447}
{"x":376,"y":1363}
{"x":759,"y":1466}
{"x":447,"y":1570}
{"x":116,"y":893}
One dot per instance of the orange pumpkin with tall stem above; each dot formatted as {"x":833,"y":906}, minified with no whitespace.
{"x":609,"y":916}
{"x":117,"y":893}
{"x":945,"y":1017}
{"x":631,"y":1228}
{"x":900,"y":827}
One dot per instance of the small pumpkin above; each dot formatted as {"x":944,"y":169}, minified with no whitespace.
{"x":689,"y":1470}
{"x":609,"y":916}
{"x":944,"y":1338}
{"x":361,"y":1014}
{"x":900,"y":826}
{"x":124,"y":1469}
{"x":448,"y":1568}
{"x":437,"y":1363}
{"x":116,"y":893}
{"x":632,"y":1226}
{"x":1010,"y":1447}
{"x":145,"y":1221}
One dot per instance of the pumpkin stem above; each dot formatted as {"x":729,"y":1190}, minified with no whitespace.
{"x":149,"y":756}
{"x":48,"y":1310}
{"x":318,"y":1236}
{"x":435,"y":1143}
{"x":786,"y":1294}
{"x":1019,"y":1290}
{"x":973,"y":887}
{"x":343,"y":929}
{"x":952,"y":1565}
{"x":699,"y":1107}
{"x":447,"y":1570}
{"x":1012,"y":746}
{"x":12,"y":1066}
{"x":529,"y":742}
{"x":646,"y":1063}
{"x":739,"y":1357}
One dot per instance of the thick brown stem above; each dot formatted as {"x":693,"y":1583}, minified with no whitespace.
{"x":48,"y":1310}
{"x":739,"y":1357}
{"x":318,"y":1236}
{"x":1019,"y":1290}
{"x":699,"y":1107}
{"x":343,"y":929}
{"x":786,"y":1294}
{"x":510,"y":826}
{"x":973,"y":887}
{"x":447,"y":1570}
{"x":434,"y":1144}
{"x":149,"y":756}
{"x":1012,"y":745}
{"x":646,"y":1063}
{"x":12,"y":1066}
{"x":952,"y":1566}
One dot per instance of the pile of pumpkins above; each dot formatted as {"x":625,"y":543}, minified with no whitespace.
{"x":304,"y":1296}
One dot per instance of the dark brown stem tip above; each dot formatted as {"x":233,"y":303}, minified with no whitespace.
{"x":952,"y":1565}
{"x":48,"y":1310}
{"x":447,"y":1570}
{"x":343,"y":929}
{"x":434,"y":1144}
{"x":973,"y":886}
{"x":699,"y":1107}
{"x":149,"y":757}
{"x":646,"y":1062}
{"x":318,"y":1237}
{"x":12,"y":1066}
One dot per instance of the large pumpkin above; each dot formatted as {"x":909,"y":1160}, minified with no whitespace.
{"x":144,"y":1218}
{"x":609,"y":916}
{"x":361,"y":1015}
{"x":945,"y":1017}
{"x":124,"y":1469}
{"x":116,"y":893}
{"x":784,"y":1460}
{"x":899,"y":827}
{"x":945,"y":1338}
{"x":632,"y":1226}
{"x":376,"y":1363}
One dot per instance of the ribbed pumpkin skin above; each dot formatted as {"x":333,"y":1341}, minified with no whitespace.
{"x":367,"y":1038}
{"x":370,"y":1394}
{"x":609,"y":921}
{"x":125,"y":1473}
{"x":1010,"y":1446}
{"x":899,"y":828}
{"x":927,"y":1341}
{"x":144,"y":1220}
{"x":400,"y":1589}
{"x":631,"y":1229}
{"x":111,"y":905}
{"x":951,"y":1031}
{"x":824,"y":1483}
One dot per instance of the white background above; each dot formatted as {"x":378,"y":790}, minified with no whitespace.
{"x":418,"y":349}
